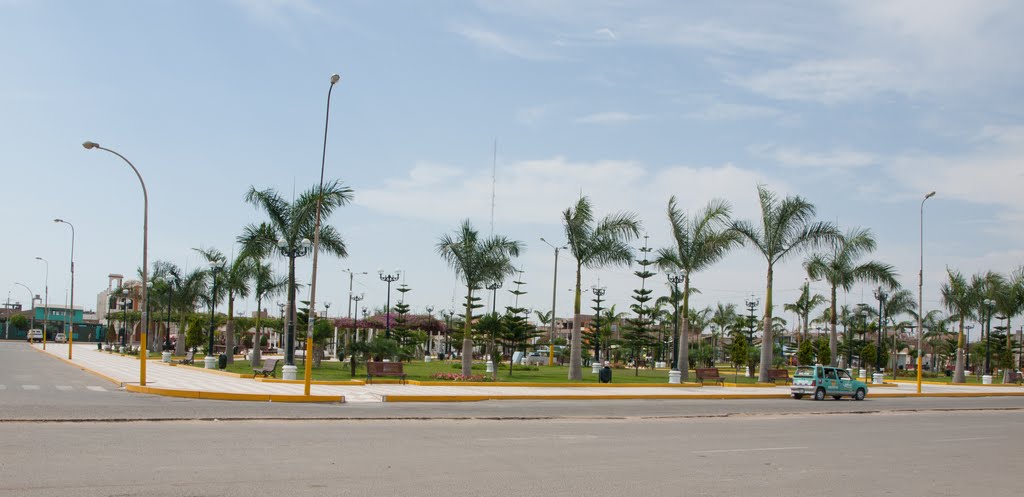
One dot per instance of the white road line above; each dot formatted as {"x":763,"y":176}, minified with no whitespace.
{"x":3,"y":387}
{"x":63,"y":388}
{"x":95,"y":388}
{"x":759,"y":449}
{"x":30,"y":387}
{"x":967,"y":439}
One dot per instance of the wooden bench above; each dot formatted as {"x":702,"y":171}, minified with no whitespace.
{"x":269,"y":368}
{"x":1017,"y":377}
{"x":709,"y":374}
{"x":187,"y":359}
{"x":779,"y":374}
{"x":384,"y":369}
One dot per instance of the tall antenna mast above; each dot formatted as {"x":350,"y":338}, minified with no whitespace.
{"x":494,"y":181}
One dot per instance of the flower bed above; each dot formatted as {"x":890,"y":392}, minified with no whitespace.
{"x":459,"y":377}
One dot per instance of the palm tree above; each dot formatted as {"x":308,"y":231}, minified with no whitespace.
{"x":605,"y":243}
{"x":787,"y":226}
{"x":839,"y":267}
{"x":700,"y":241}
{"x":723,"y":316}
{"x":187,"y":294}
{"x":264,"y":285}
{"x":476,"y":262}
{"x":1009,"y":303}
{"x":232,"y":282}
{"x":290,"y":227}
{"x":804,"y":306}
{"x":986,"y":286}
{"x":957,"y":297}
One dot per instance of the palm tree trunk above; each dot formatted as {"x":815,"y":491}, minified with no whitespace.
{"x":684,"y":339}
{"x":467,"y":336}
{"x":833,"y":340}
{"x":767,"y":341}
{"x":575,"y":354}
{"x":958,"y":375}
{"x":1007,"y":371}
{"x":254,"y":356}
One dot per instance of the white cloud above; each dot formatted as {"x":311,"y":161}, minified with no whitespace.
{"x":831,"y":81}
{"x":724,"y":111}
{"x":496,"y":42}
{"x":836,"y":158}
{"x":610,"y":118}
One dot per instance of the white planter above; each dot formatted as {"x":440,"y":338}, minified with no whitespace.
{"x":595,"y":367}
{"x":427,"y":358}
{"x":165,"y":356}
{"x":674,"y":376}
{"x":210,"y":362}
{"x":490,"y":367}
{"x":863,"y":374}
{"x":289,"y":372}
{"x":986,"y":379}
{"x":878,"y":378}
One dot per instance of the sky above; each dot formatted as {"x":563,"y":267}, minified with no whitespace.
{"x":859,"y":107}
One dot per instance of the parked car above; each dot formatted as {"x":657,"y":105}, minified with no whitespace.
{"x":536,"y":358}
{"x":35,"y":335}
{"x":60,"y":338}
{"x":822,"y":381}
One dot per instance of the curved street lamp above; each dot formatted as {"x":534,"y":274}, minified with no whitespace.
{"x":388,"y":278}
{"x":920,"y":290}
{"x":71,"y":325}
{"x":143,"y":345}
{"x":46,"y":303}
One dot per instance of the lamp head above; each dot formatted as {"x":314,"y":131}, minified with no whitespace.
{"x":58,"y":220}
{"x":306,"y":243}
{"x":930,"y":195}
{"x":282,"y":243}
{"x":334,"y":78}
{"x":90,"y":145}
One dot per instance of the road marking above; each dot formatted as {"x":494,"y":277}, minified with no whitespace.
{"x":3,"y":387}
{"x":967,"y":439}
{"x":30,"y":387}
{"x":63,"y":388}
{"x":95,"y":388}
{"x":759,"y":449}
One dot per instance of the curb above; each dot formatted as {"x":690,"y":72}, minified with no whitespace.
{"x":197,"y":394}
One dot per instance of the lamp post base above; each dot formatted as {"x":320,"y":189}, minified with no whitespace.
{"x":210,"y":362}
{"x":674,"y":376}
{"x":289,"y":372}
{"x":986,"y":379}
{"x":165,"y":356}
{"x":878,"y":378}
{"x":595,"y":367}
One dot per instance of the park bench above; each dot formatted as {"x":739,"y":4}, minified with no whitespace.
{"x":384,"y":369}
{"x":1017,"y":377}
{"x":269,"y":368}
{"x":709,"y":374}
{"x":779,"y":374}
{"x":188,"y":358}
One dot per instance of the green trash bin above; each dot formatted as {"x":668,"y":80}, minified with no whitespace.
{"x":222,"y":361}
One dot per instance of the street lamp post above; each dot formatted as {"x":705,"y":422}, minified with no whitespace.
{"x":280,"y":306}
{"x":881,"y":296}
{"x":291,"y":251}
{"x":46,"y":302}
{"x":316,"y":246}
{"x":355,"y":331}
{"x":598,"y":293}
{"x":124,"y":317}
{"x":920,"y":290}
{"x":447,"y":313}
{"x":210,"y":360}
{"x":967,"y":335}
{"x":675,"y":278}
{"x":430,"y":325}
{"x":167,"y":331}
{"x":989,"y":304}
{"x":554,"y":295}
{"x":71,"y":334}
{"x":143,"y":348}
{"x":389,"y":278}
{"x":351,"y":280}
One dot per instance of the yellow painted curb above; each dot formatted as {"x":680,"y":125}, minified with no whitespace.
{"x":950,"y":394}
{"x":476,"y":398}
{"x":914,"y":382}
{"x":314,"y":382}
{"x":259,"y":397}
{"x":749,"y":385}
{"x":211,"y":371}
{"x":543,"y":385}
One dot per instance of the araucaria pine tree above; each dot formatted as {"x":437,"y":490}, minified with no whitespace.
{"x":637,"y":337}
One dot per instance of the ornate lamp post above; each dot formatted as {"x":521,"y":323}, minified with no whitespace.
{"x":675,"y":278}
{"x":210,"y":360}
{"x":355,"y":330}
{"x":598,"y":293}
{"x":389,"y":278}
{"x":881,"y":296}
{"x":430,"y":324}
{"x":989,"y":304}
{"x":291,"y":251}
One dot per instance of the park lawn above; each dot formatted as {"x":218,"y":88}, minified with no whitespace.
{"x":423,"y":371}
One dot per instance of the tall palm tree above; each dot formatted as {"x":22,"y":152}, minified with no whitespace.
{"x":804,"y":306}
{"x":787,"y":226}
{"x":292,"y":222}
{"x":986,"y":286}
{"x":699,"y":242}
{"x":840,"y":267}
{"x":1009,"y":303}
{"x":264,"y":285}
{"x":187,"y":295}
{"x":723,"y":316}
{"x":476,"y":261}
{"x":957,"y":297}
{"x":594,"y":244}
{"x":232,"y":282}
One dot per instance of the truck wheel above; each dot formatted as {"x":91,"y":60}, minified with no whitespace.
{"x":860,"y":394}
{"x":819,"y":394}
{"x":798,"y":396}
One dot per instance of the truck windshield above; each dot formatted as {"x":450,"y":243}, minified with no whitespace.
{"x":804,"y":371}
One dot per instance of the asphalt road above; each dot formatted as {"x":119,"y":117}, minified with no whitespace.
{"x":916,"y":454}
{"x":37,"y":387}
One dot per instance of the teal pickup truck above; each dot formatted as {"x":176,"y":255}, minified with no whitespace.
{"x":822,"y":381}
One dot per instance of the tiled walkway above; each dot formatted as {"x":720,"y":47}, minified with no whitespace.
{"x":126,"y":370}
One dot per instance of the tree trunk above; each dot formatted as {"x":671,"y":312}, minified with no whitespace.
{"x":255,"y":357}
{"x":179,"y":346}
{"x":958,"y":375}
{"x":833,"y":340}
{"x":684,"y":339}
{"x":575,"y":352}
{"x":1008,"y":370}
{"x":767,"y":341}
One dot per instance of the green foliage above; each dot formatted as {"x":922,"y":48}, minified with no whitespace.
{"x":867,"y":355}
{"x":805,"y":353}
{"x":822,"y":351}
{"x":19,"y":322}
{"x":738,"y":350}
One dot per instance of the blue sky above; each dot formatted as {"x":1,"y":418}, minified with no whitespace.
{"x":861,"y":107}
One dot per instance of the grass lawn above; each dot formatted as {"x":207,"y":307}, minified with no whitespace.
{"x":422,"y":371}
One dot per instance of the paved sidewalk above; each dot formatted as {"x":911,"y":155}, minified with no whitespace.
{"x":125,"y":370}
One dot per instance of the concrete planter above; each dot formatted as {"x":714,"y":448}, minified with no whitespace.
{"x":490,"y":367}
{"x":595,"y":367}
{"x":878,"y":378}
{"x":210,"y":362}
{"x":165,"y":356}
{"x":675,"y":376}
{"x":986,"y":379}
{"x":427,"y":358}
{"x":289,"y":372}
